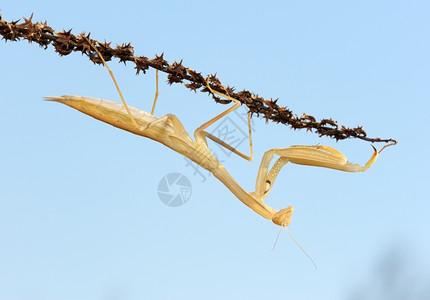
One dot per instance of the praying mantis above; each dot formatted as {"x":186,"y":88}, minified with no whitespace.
{"x":169,"y":131}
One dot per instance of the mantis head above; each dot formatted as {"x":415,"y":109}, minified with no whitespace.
{"x":283,"y":219}
{"x":283,"y":216}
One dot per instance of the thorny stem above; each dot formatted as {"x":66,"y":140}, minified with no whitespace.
{"x":65,"y":42}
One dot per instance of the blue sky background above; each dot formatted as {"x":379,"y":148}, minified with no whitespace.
{"x":80,"y":217}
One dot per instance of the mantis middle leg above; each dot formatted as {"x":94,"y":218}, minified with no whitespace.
{"x":200,"y":135}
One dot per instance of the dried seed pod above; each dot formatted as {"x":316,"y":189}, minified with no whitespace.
{"x":65,"y":43}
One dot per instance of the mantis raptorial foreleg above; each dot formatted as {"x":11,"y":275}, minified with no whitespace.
{"x":317,"y":156}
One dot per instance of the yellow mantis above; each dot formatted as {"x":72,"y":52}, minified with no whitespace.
{"x":169,"y":131}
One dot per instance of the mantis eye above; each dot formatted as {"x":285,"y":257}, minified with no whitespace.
{"x":268,"y":186}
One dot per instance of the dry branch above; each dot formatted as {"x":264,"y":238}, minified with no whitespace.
{"x":65,"y":42}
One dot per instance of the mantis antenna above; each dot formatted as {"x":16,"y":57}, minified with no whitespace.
{"x":277,"y":238}
{"x":303,"y":250}
{"x":298,"y":245}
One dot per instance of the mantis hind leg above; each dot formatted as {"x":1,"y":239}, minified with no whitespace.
{"x":116,"y":83}
{"x":156,"y":93}
{"x":200,"y":135}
